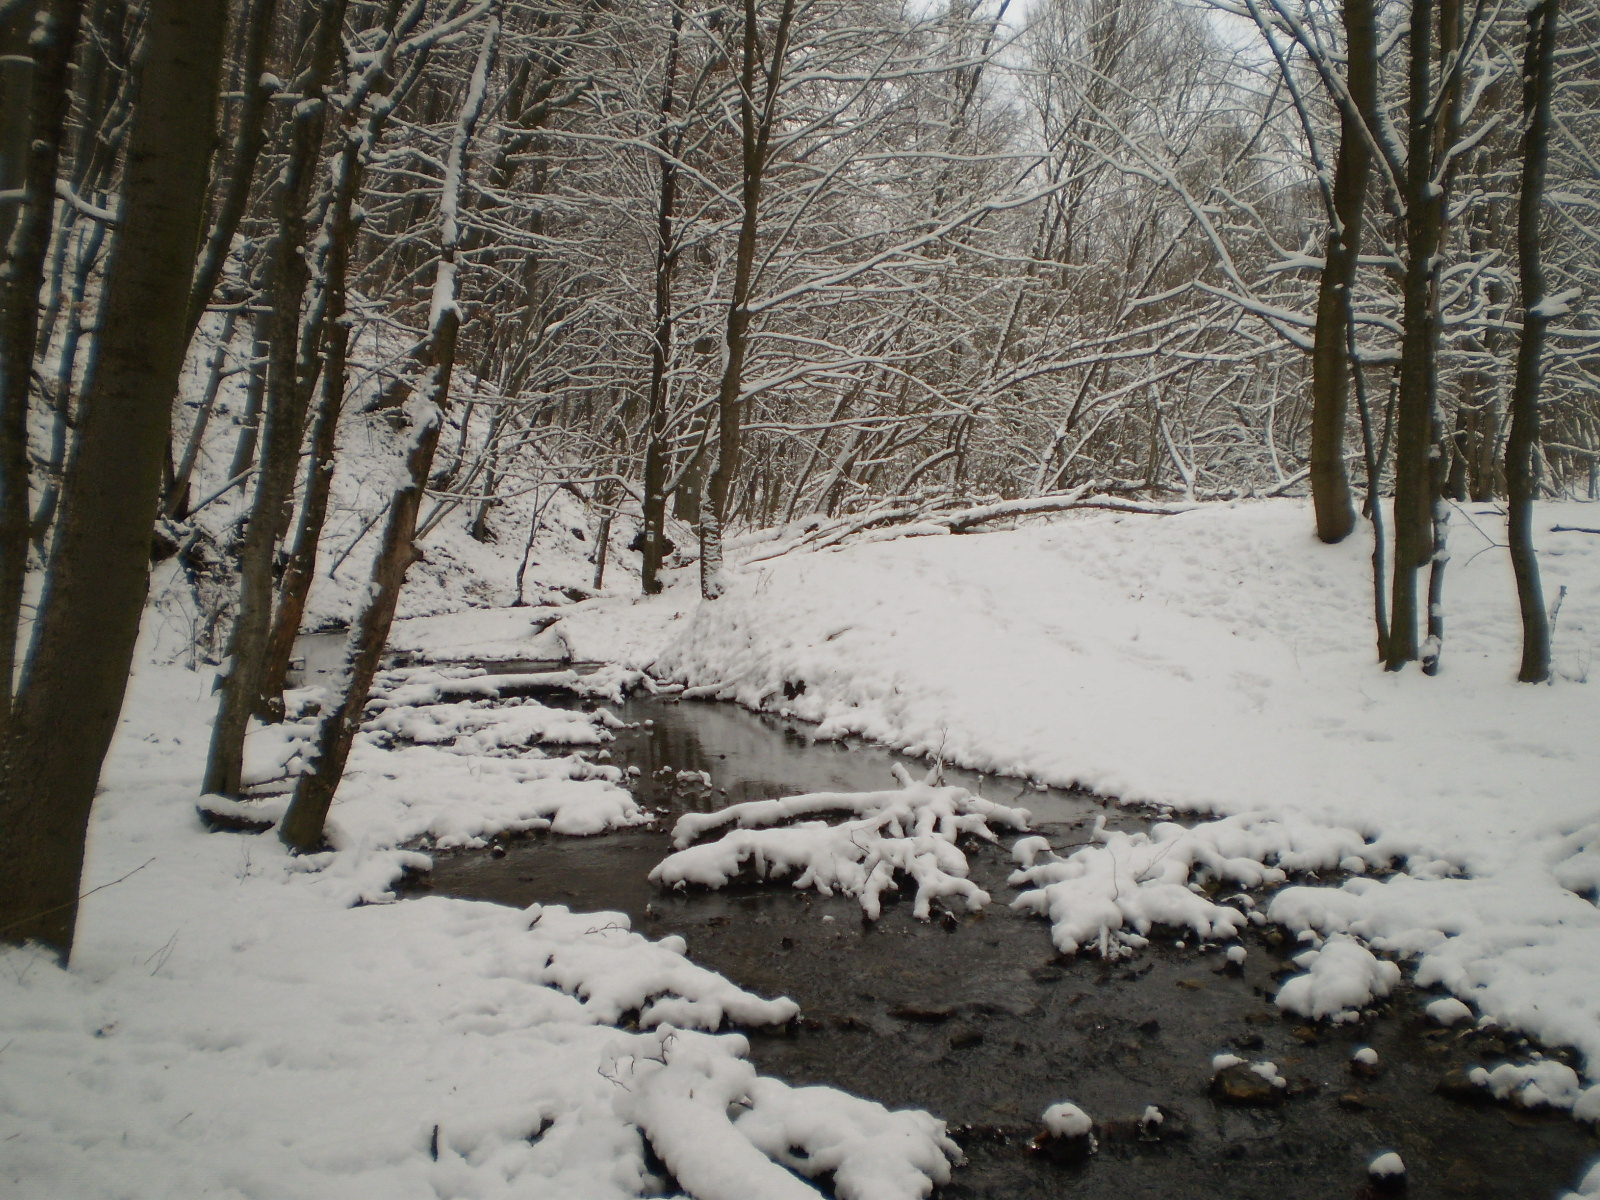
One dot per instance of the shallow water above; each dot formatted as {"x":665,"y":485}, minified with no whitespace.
{"x":977,"y":1020}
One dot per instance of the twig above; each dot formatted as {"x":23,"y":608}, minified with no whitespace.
{"x":79,"y":900}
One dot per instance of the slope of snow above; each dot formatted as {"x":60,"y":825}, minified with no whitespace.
{"x":1221,"y":661}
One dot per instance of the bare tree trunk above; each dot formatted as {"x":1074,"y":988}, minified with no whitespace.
{"x":1522,"y":478}
{"x":755,"y":135}
{"x":66,"y":369}
{"x":1330,"y":356}
{"x":99,"y":574}
{"x":341,"y":229}
{"x":1416,"y":417}
{"x":244,"y":450}
{"x":177,"y":497}
{"x":652,"y":533}
{"x":302,"y":828}
{"x":247,"y":145}
{"x":50,"y":42}
{"x":288,"y":393}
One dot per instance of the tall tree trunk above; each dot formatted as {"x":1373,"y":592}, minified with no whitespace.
{"x":99,"y":574}
{"x":1331,"y":355}
{"x":288,"y":393}
{"x":247,"y":145}
{"x":50,"y":42}
{"x":176,"y":502}
{"x":1522,"y":478}
{"x":1416,"y":416}
{"x":755,"y":135}
{"x":302,"y":827}
{"x":652,"y":534}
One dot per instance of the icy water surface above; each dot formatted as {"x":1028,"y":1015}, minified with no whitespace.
{"x":977,"y":1020}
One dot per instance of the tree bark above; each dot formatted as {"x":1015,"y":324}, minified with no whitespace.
{"x":1522,"y":460}
{"x":99,"y":574}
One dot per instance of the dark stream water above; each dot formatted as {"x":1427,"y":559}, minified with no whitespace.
{"x":977,"y":1019}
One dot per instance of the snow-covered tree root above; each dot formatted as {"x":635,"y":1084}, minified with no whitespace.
{"x":910,"y":830}
{"x":727,"y":1134}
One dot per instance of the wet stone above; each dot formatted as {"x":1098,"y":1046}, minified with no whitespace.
{"x":1240,"y":1085}
{"x":1458,"y":1085}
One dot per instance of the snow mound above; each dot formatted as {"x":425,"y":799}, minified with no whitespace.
{"x":1448,"y":1011}
{"x":911,"y":830}
{"x":1386,"y":1166}
{"x":682,"y":1096}
{"x":598,"y":959}
{"x":1343,"y":978}
{"x":1067,"y":1120}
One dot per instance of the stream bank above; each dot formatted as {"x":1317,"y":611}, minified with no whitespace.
{"x":976,"y":1019}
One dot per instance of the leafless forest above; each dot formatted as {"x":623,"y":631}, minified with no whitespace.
{"x":708,"y":268}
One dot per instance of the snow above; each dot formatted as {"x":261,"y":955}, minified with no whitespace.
{"x":1386,"y":1166}
{"x":1366,"y":1055}
{"x":1343,"y":978}
{"x":1067,"y":1120}
{"x":1219,"y":661}
{"x":1589,"y":1187}
{"x":240,"y":1022}
{"x":1448,"y":1011}
{"x":1538,"y":1084}
{"x":911,"y":830}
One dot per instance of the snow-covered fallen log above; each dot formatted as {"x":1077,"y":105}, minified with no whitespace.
{"x":683,"y":1098}
{"x":600,"y":960}
{"x":911,"y":830}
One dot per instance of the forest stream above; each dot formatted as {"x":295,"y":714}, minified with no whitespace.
{"x":976,"y":1018}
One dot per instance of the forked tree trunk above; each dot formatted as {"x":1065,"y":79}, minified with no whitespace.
{"x":288,"y":394}
{"x":1418,"y":534}
{"x":302,"y":827}
{"x":341,"y":228}
{"x":1522,"y":460}
{"x":99,"y":574}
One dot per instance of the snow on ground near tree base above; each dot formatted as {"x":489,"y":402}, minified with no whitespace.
{"x":1221,"y":661}
{"x":232,"y":1027}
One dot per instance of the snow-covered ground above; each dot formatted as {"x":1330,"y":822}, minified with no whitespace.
{"x":238,"y":1023}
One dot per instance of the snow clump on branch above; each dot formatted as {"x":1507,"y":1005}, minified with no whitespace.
{"x":911,"y":830}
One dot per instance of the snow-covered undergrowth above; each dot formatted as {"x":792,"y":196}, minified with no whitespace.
{"x":232,"y":1026}
{"x":910,"y":831}
{"x":1220,"y":661}
{"x":453,"y":773}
